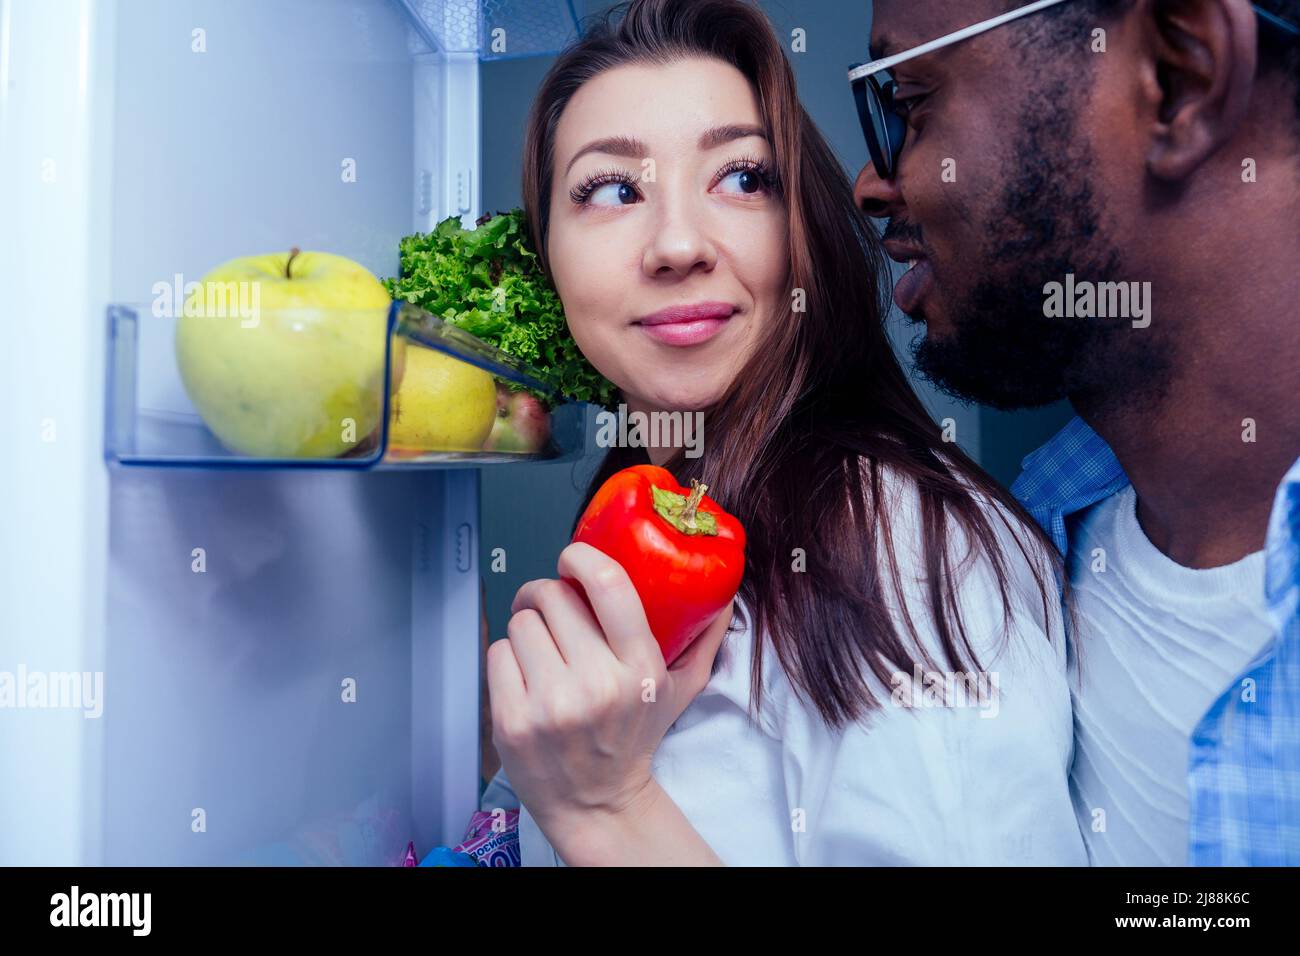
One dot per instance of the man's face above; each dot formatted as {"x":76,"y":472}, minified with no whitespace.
{"x":1014,"y":160}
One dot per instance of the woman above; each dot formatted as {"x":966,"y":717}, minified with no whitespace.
{"x":907,"y":700}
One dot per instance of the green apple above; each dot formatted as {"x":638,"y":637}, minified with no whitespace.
{"x":298,"y":372}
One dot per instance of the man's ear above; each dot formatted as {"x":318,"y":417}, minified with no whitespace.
{"x":1204,"y":55}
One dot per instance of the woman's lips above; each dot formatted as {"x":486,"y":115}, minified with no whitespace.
{"x":688,"y":324}
{"x":685,"y":333}
{"x":912,"y":287}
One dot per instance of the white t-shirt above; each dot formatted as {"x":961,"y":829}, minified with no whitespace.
{"x":1159,"y":643}
{"x":982,"y":783}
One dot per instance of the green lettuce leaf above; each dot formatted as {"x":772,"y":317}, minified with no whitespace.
{"x":488,"y":282}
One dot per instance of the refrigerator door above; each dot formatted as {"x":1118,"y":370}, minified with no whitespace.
{"x":53,"y":488}
{"x":283,"y":665}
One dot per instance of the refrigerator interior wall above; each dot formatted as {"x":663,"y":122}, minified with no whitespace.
{"x":242,"y":128}
{"x":279,"y":707}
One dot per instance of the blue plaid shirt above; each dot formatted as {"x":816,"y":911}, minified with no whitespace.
{"x":1243,"y":768}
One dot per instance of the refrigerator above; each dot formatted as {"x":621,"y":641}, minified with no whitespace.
{"x":210,"y":659}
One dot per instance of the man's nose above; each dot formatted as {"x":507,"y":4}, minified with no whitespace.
{"x":877,"y":197}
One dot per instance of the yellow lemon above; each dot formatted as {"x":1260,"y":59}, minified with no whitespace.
{"x":443,"y":404}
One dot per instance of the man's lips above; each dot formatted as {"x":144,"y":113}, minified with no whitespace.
{"x":915,"y":283}
{"x":687,"y":324}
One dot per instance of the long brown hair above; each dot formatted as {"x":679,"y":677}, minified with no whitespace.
{"x":799,"y":445}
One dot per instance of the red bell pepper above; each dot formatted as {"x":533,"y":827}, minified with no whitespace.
{"x":684,"y":554}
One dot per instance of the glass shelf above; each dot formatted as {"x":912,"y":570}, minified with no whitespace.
{"x":493,"y":29}
{"x":382,"y":389}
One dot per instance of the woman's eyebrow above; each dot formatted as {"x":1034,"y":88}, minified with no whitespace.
{"x":614,"y":145}
{"x":632,"y":147}
{"x":718,"y":135}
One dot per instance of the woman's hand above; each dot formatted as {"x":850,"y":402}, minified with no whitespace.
{"x":580,"y":702}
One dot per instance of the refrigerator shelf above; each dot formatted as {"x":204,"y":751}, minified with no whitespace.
{"x":312,"y":388}
{"x":493,"y":29}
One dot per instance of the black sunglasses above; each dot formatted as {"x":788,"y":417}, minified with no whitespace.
{"x":884,"y":126}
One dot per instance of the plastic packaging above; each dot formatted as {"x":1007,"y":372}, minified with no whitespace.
{"x":492,"y":839}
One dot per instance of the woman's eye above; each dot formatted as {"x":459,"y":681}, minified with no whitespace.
{"x":746,"y":181}
{"x":612,"y":194}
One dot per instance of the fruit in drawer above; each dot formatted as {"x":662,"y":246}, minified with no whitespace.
{"x":443,"y":404}
{"x":300,"y":374}
{"x":522,"y":423}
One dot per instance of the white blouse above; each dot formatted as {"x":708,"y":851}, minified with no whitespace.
{"x":984,"y":781}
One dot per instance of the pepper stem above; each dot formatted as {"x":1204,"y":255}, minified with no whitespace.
{"x":693,"y":502}
{"x":682,"y":511}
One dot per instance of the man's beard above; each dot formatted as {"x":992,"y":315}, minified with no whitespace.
{"x":1002,"y":350}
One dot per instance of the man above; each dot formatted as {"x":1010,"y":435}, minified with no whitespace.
{"x":1029,"y":169}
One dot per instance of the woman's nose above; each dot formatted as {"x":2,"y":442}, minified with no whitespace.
{"x":877,"y":197}
{"x":680,"y":245}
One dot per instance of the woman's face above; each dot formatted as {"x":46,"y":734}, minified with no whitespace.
{"x":667,"y":240}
